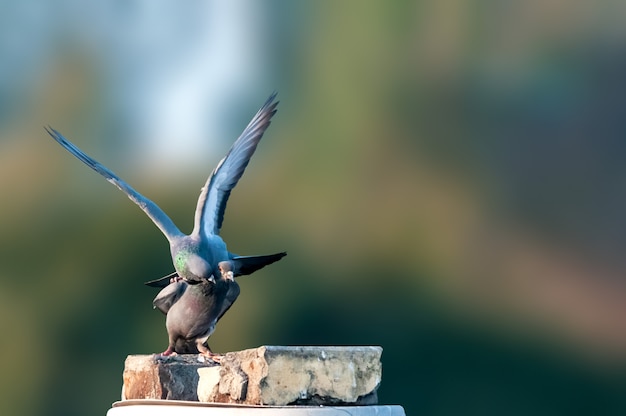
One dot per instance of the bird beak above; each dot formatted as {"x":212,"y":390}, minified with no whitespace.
{"x":230,"y":276}
{"x":211,"y":279}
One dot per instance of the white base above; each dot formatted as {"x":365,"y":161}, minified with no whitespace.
{"x":176,"y":407}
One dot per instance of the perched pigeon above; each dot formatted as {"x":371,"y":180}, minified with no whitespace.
{"x":197,"y":256}
{"x":193,"y":310}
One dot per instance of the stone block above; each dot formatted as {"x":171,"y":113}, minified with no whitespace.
{"x":268,"y":375}
{"x":156,"y":377}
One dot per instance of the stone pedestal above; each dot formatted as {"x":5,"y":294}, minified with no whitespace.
{"x":265,"y":381}
{"x":264,"y":376}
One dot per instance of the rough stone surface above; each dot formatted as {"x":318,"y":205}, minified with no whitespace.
{"x":208,"y":383}
{"x":273,"y":375}
{"x":268,"y":375}
{"x":157,"y":377}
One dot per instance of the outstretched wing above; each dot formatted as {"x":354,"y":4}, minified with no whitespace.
{"x":155,"y":213}
{"x":212,"y":202}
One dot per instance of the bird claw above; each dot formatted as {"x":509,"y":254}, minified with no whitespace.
{"x":169,"y":352}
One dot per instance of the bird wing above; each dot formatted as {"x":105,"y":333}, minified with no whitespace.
{"x":169,"y":295}
{"x":163,"y":281}
{"x":212,"y":202}
{"x":231,"y":295}
{"x":153,"y":211}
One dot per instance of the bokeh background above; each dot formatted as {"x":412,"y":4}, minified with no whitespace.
{"x":447,"y":177}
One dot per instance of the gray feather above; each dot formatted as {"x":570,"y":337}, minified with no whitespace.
{"x":212,"y":202}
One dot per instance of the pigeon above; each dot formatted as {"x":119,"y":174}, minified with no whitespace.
{"x":197,"y":257}
{"x":193,"y":309}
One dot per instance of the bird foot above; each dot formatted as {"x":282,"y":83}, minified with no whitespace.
{"x":168,"y":352}
{"x":165,"y":356}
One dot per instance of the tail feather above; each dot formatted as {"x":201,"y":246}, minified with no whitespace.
{"x":244,"y":265}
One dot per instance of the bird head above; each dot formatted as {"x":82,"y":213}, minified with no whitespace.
{"x":226,"y":269}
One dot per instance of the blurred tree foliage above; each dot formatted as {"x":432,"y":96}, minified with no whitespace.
{"x":446,"y":177}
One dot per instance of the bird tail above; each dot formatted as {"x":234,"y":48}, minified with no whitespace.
{"x":244,"y":265}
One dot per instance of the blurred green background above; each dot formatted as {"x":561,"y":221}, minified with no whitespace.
{"x":447,"y":177}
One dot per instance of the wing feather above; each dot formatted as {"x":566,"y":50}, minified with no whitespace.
{"x":153,"y":211}
{"x":214,"y":196}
